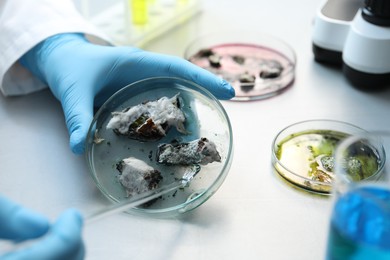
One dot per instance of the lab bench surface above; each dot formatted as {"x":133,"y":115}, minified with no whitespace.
{"x":255,"y":214}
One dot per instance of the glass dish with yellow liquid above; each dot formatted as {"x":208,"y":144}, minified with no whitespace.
{"x":303,"y":154}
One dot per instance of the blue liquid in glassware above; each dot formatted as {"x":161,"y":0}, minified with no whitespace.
{"x":360,"y":225}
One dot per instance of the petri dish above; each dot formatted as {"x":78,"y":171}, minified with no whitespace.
{"x":303,"y":154}
{"x":205,"y":117}
{"x":257,"y":65}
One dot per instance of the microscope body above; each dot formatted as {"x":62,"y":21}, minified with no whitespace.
{"x":348,"y":34}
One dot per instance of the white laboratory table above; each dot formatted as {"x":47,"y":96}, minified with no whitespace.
{"x":254,"y":215}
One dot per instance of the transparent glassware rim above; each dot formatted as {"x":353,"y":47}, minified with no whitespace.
{"x":260,"y":36}
{"x":186,"y":84}
{"x":378,"y":135}
{"x":274,"y":145}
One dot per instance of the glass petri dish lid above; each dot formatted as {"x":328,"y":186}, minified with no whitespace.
{"x":108,"y":151}
{"x":257,"y":65}
{"x":303,"y":154}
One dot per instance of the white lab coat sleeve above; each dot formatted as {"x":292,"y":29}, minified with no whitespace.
{"x":25,"y":23}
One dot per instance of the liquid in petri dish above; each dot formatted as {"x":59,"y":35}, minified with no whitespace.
{"x":306,"y":159}
{"x":110,"y":148}
{"x":254,"y":71}
{"x":360,"y":225}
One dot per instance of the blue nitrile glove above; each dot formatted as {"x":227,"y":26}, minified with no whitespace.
{"x":61,"y":240}
{"x":81,"y":74}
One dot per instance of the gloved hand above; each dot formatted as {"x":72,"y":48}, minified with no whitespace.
{"x":81,"y":74}
{"x":62,"y":240}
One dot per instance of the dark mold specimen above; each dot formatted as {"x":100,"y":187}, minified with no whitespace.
{"x":200,"y":151}
{"x":247,"y":81}
{"x":215,"y":60}
{"x":137,"y":177}
{"x":270,"y":69}
{"x":238,"y":59}
{"x":205,"y":53}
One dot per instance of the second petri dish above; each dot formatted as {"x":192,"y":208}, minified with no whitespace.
{"x":303,"y":154}
{"x":257,"y":65}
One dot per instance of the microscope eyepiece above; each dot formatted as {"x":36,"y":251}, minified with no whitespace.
{"x":377,"y":12}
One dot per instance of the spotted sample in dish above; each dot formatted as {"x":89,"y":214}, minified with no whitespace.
{"x":149,"y":120}
{"x":201,"y":151}
{"x":122,"y":148}
{"x":310,"y":155}
{"x":255,"y":71}
{"x":137,"y":177}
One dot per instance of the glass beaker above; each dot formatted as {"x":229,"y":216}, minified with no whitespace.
{"x":360,"y":220}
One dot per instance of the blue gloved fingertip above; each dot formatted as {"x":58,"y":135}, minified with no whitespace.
{"x":77,"y":143}
{"x":230,"y":92}
{"x":75,"y":214}
{"x":77,"y":149}
{"x":69,"y":224}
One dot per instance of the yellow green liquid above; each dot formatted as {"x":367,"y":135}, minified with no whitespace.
{"x":306,"y":159}
{"x":139,"y":11}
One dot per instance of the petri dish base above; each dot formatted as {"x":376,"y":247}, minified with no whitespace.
{"x":205,"y":117}
{"x":303,"y":154}
{"x":258,"y":66}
